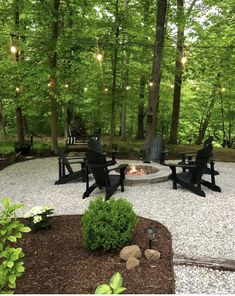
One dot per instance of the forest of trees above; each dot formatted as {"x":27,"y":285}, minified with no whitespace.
{"x":132,"y":68}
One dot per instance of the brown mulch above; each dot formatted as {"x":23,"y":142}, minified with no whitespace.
{"x":57,"y":262}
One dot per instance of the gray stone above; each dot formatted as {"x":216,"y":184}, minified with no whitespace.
{"x":132,"y":262}
{"x":130,"y":251}
{"x":152,"y":254}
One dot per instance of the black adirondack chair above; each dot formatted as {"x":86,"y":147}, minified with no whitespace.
{"x":98,"y":166}
{"x":189,"y":158}
{"x":192,"y":178}
{"x":95,"y":145}
{"x":157,"y":151}
{"x":66,"y":173}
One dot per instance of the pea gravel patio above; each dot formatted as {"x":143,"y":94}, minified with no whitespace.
{"x":200,"y":226}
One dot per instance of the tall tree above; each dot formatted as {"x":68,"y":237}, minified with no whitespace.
{"x":16,"y":39}
{"x":179,"y":66}
{"x":154,"y":90}
{"x":53,"y":68}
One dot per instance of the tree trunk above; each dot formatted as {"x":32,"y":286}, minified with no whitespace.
{"x":143,"y":76}
{"x":205,"y":122}
{"x":19,"y":125}
{"x":126,"y":77}
{"x":153,"y":101}
{"x":178,"y":73}
{"x":67,"y":120}
{"x":140,"y":131}
{"x":181,"y":21}
{"x":19,"y":119}
{"x":53,"y":81}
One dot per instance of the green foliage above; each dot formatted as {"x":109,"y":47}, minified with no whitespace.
{"x":114,"y":286}
{"x":108,"y":224}
{"x":11,"y":263}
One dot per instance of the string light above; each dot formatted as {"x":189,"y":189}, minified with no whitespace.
{"x":222,"y":89}
{"x":172,"y":86}
{"x":49,"y":84}
{"x":99,"y":57}
{"x":128,"y":87}
{"x":184,"y":60}
{"x":106,"y":89}
{"x":66,"y":86}
{"x":150,"y":83}
{"x":85,"y":89}
{"x":17,"y":89}
{"x":13,"y":49}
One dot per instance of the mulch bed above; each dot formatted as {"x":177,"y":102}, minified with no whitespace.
{"x":57,"y":262}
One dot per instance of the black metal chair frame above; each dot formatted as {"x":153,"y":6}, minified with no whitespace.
{"x":194,"y":173}
{"x":103,"y":167}
{"x":65,"y":164}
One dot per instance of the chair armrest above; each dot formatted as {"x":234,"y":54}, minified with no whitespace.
{"x":188,"y":153}
{"x":120,"y":167}
{"x":181,"y":165}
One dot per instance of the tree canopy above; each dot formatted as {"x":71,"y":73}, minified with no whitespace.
{"x":86,"y":65}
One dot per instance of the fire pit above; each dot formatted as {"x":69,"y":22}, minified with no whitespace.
{"x":141,"y":174}
{"x":140,"y":170}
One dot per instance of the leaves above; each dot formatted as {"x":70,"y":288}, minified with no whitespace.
{"x":114,"y":286}
{"x":116,"y":281}
{"x":103,"y":289}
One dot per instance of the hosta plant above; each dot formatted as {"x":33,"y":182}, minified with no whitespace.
{"x":11,"y":263}
{"x":114,"y":286}
{"x":38,"y":217}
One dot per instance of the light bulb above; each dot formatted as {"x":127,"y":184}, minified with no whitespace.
{"x":150,"y":83}
{"x":17,"y":89}
{"x":13,"y":49}
{"x":128,"y":87}
{"x":106,"y":89}
{"x":184,"y":60}
{"x":222,"y":89}
{"x":66,"y":86}
{"x":99,"y":57}
{"x":85,"y":89}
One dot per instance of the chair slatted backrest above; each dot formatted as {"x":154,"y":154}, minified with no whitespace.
{"x":157,"y":148}
{"x":100,"y":174}
{"x":65,"y":161}
{"x":208,"y":141}
{"x":202,"y":158}
{"x":94,"y":144}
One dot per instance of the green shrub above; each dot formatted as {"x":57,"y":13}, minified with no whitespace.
{"x":11,"y":263}
{"x":108,"y":224}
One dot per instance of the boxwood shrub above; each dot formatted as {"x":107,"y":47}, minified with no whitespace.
{"x":108,"y":224}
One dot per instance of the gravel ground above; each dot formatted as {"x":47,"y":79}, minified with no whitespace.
{"x":200,"y":226}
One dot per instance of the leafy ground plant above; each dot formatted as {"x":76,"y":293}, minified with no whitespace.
{"x":108,"y":224}
{"x":38,"y":217}
{"x":114,"y":286}
{"x":11,"y":262}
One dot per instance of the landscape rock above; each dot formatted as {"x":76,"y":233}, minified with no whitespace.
{"x":130,"y":251}
{"x":152,"y":254}
{"x":132,"y":263}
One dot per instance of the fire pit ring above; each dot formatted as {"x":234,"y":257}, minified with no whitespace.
{"x":154,"y":173}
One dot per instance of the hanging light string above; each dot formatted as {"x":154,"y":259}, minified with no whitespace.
{"x":90,"y":42}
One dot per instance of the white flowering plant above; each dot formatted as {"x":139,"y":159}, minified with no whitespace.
{"x":38,"y":217}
